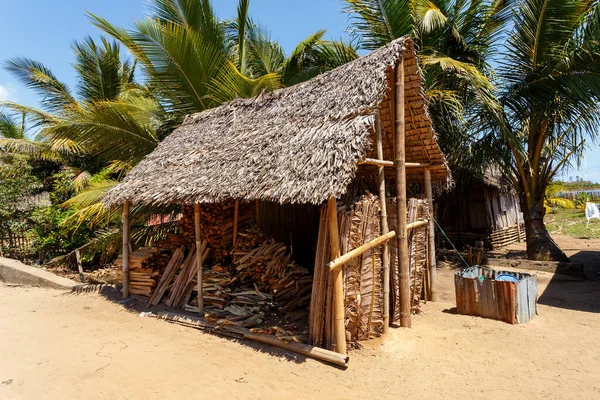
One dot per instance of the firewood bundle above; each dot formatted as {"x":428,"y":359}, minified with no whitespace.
{"x":179,"y":277}
{"x":267,"y":263}
{"x":146,"y":265}
{"x":216,"y":225}
{"x":144,"y":270}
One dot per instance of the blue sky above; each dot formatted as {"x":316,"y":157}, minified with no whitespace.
{"x":44,"y":30}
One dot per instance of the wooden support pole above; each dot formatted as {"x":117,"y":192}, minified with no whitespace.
{"x":357,"y":252}
{"x":79,"y":266}
{"x":257,"y":207}
{"x":431,"y":244}
{"x":338,"y":278}
{"x":126,"y":249}
{"x":385,"y":251}
{"x":199,"y":259}
{"x":403,"y":267}
{"x":236,"y":215}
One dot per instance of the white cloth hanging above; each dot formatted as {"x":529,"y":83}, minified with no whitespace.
{"x":591,"y":211}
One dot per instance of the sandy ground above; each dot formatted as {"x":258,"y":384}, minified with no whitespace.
{"x":66,"y":346}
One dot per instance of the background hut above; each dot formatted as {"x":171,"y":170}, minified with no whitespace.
{"x":485,"y":210}
{"x":325,"y":169}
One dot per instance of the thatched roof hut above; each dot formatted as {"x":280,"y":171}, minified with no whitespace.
{"x":299,"y":144}
{"x":482,"y":209}
{"x":359,"y":129}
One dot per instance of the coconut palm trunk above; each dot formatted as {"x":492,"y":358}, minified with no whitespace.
{"x":540,"y":245}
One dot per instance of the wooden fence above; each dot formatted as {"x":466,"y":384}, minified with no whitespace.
{"x":14,"y":245}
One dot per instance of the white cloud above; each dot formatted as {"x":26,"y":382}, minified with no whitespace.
{"x":7,"y":93}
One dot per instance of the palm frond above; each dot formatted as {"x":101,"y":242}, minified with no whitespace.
{"x":55,"y":94}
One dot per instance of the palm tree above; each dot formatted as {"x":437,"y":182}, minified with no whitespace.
{"x":195,"y":61}
{"x":455,"y":41}
{"x":111,"y":118}
{"x":550,"y":92}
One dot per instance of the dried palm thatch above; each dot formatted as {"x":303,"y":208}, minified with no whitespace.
{"x":295,"y":145}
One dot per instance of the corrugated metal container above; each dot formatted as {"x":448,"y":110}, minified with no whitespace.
{"x":479,"y":293}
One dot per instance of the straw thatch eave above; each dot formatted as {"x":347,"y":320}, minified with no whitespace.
{"x":300,"y":144}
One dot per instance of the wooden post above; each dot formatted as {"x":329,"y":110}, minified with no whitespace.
{"x":236,"y":215}
{"x":518,"y":224}
{"x":385,"y":250}
{"x":257,"y":206}
{"x":431,"y":244}
{"x":338,"y":278}
{"x":79,"y":266}
{"x":126,"y":249}
{"x":403,"y":268}
{"x":199,"y":259}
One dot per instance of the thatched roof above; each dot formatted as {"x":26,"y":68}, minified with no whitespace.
{"x":299,"y":144}
{"x":494,"y":177}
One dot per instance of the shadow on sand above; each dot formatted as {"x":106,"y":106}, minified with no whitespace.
{"x":576,"y":294}
{"x":137,"y":304}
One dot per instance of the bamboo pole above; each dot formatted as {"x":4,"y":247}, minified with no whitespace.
{"x":338,"y":278}
{"x":403,"y":267}
{"x":79,"y":266}
{"x":417,"y":224}
{"x":384,"y":163}
{"x":199,"y":259}
{"x":380,"y":162}
{"x":126,"y":249}
{"x":236,"y":215}
{"x":257,"y":207}
{"x":385,"y":251}
{"x":431,"y":244}
{"x":244,"y":333}
{"x":357,"y":252}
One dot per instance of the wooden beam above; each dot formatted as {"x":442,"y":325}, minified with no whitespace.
{"x":385,"y":251}
{"x":199,"y":259}
{"x":126,"y":249}
{"x":236,"y":215}
{"x":357,"y":252}
{"x":417,"y":224}
{"x":381,"y":162}
{"x":339,"y":311}
{"x":431,"y":244}
{"x":417,"y":165}
{"x":403,"y":266}
{"x":384,"y":163}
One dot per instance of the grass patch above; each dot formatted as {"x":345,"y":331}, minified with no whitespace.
{"x":572,"y":223}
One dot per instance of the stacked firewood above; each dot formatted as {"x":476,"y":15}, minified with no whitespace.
{"x":178,"y":278}
{"x":144,"y":270}
{"x":216,"y":225}
{"x":146,"y":265}
{"x":267,"y":263}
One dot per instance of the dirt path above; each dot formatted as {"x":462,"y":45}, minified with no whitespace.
{"x":66,"y":346}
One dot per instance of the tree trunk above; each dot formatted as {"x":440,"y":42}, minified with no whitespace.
{"x":540,"y":245}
